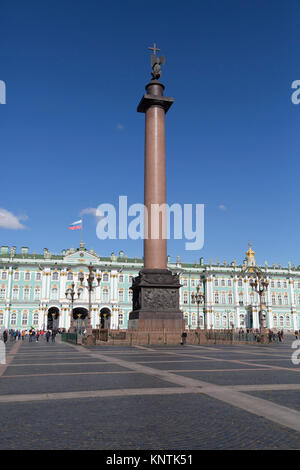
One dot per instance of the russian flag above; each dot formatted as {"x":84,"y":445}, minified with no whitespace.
{"x":76,"y":225}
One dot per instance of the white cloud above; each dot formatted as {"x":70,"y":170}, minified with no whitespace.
{"x":93,"y":211}
{"x":222,"y":207}
{"x":120,"y":127}
{"x":10,"y":220}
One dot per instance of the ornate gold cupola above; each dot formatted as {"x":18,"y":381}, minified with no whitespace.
{"x":250,"y":256}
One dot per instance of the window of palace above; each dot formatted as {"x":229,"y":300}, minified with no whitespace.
{"x":224,"y":321}
{"x":24,"y":318}
{"x":279,"y":284}
{"x":55,"y":276}
{"x":193,"y":299}
{"x":273,"y":300}
{"x":272,"y":284}
{"x":218,"y":320}
{"x":121,"y":295}
{"x":216,"y":282}
{"x":15,"y":293}
{"x":279,"y":299}
{"x":105,"y":295}
{"x":37,"y":293}
{"x":105,"y":277}
{"x":2,"y":293}
{"x":70,"y":276}
{"x":285,"y":284}
{"x":185,"y":282}
{"x":130,"y":278}
{"x":121,"y":278}
{"x":263,"y":299}
{"x":36,"y":319}
{"x":185,"y":298}
{"x":186,"y":319}
{"x":13,"y":319}
{"x":288,"y":321}
{"x":194,"y":323}
{"x":121,"y":319}
{"x":26,"y":293}
{"x":201,"y":320}
{"x":38,"y":276}
{"x":275,"y":323}
{"x":4,"y":275}
{"x":16,"y":276}
{"x":223,"y":282}
{"x":230,"y":298}
{"x":242,"y":320}
{"x":27,"y":277}
{"x":281,"y":321}
{"x":216,"y":298}
{"x":240,"y":283}
{"x":1,"y":318}
{"x":286,"y":300}
{"x":54,"y":293}
{"x":223,"y":298}
{"x":229,"y":283}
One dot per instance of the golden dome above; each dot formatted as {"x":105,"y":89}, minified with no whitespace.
{"x":250,"y":253}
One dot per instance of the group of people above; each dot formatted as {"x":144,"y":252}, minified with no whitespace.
{"x":275,"y":336}
{"x":32,"y":335}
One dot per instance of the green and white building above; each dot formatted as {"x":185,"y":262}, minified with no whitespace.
{"x":33,"y":291}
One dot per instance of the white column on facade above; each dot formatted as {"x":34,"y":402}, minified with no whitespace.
{"x":247,"y":287}
{"x":62,"y":285}
{"x":114,"y":286}
{"x":44,"y":284}
{"x":10,"y":274}
{"x":255,"y":317}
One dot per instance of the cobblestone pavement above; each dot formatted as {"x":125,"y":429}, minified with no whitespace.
{"x":62,"y":396}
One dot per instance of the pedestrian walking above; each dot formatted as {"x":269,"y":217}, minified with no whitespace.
{"x":37,"y":336}
{"x":279,"y":336}
{"x":296,"y":334}
{"x":48,"y":336}
{"x":53,"y":336}
{"x":183,"y":337}
{"x":5,"y":336}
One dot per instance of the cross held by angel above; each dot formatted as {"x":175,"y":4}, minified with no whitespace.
{"x":156,"y":63}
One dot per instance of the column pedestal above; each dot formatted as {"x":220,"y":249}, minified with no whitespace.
{"x":156,"y":301}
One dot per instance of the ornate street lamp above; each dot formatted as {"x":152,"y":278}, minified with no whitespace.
{"x":260,"y":285}
{"x":70,"y":295}
{"x":90,"y":287}
{"x":198,"y":298}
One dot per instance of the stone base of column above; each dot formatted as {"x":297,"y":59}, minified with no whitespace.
{"x":156,"y":301}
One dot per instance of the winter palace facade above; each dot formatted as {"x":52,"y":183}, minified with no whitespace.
{"x":33,"y":291}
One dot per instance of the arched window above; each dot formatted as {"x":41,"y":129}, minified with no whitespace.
{"x":105,"y":277}
{"x":242,"y":320}
{"x":288,"y":321}
{"x":194,"y":323}
{"x":275,"y":321}
{"x":13,"y":319}
{"x":185,"y":297}
{"x":16,"y":275}
{"x":55,"y":276}
{"x":105,"y":295}
{"x":1,"y":318}
{"x":230,"y":298}
{"x":216,"y":298}
{"x":281,"y":321}
{"x":218,"y":324}
{"x":26,"y":293}
{"x":186,"y":319}
{"x":70,"y":276}
{"x":240,"y":283}
{"x":121,"y":319}
{"x":35,"y":318}
{"x":24,"y":318}
{"x":54,"y":293}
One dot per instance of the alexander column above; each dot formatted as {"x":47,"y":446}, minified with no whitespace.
{"x":156,"y":289}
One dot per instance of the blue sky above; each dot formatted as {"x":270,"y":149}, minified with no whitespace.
{"x":71,"y":138}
